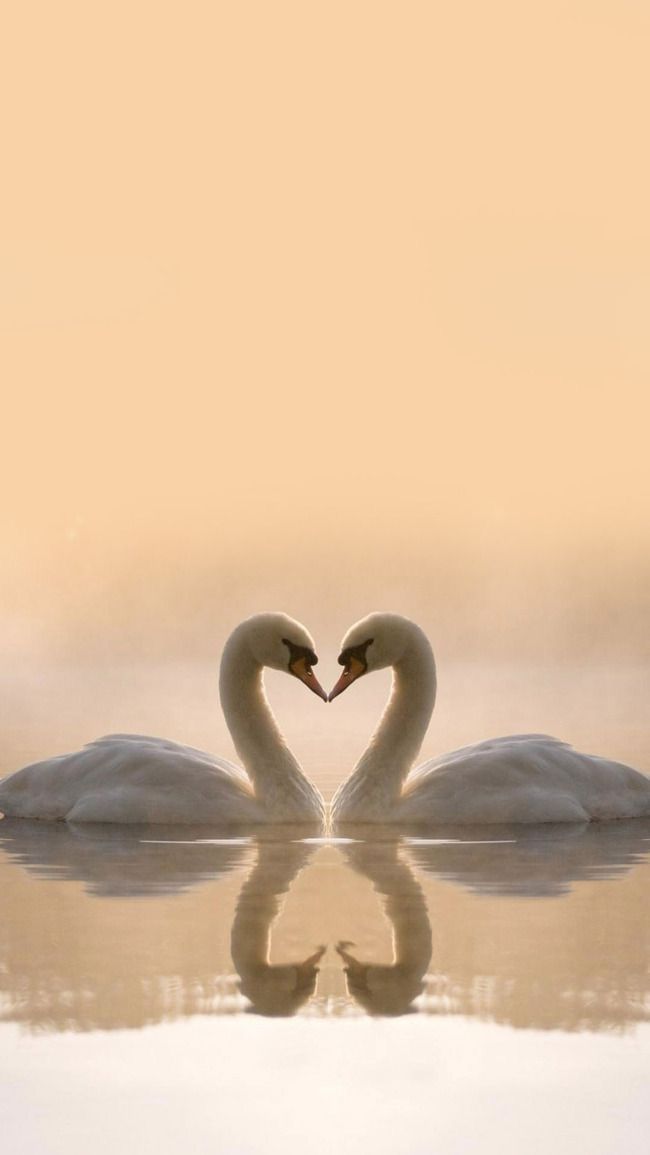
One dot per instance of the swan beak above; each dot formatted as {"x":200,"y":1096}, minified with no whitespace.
{"x":301,"y":670}
{"x":352,"y":671}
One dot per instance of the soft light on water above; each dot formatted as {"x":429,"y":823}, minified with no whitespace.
{"x":404,"y":1087}
{"x":162,"y":989}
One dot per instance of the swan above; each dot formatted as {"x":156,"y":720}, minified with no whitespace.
{"x":274,"y":989}
{"x":380,"y":988}
{"x":518,"y":778}
{"x":133,"y":778}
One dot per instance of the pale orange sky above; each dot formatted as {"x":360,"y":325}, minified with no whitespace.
{"x":325,"y":307}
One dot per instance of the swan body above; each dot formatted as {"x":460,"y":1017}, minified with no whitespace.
{"x":134,"y":778}
{"x":518,"y":778}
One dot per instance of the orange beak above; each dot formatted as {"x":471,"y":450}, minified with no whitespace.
{"x":351,"y":672}
{"x":301,"y":670}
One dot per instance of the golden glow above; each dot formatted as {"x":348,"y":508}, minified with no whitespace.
{"x":358,"y":286}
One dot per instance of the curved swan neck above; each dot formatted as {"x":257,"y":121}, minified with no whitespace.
{"x":273,"y":988}
{"x":272,"y":768}
{"x":404,"y":902}
{"x":376,"y":782}
{"x":399,"y":736}
{"x":391,"y":989}
{"x":260,"y":900}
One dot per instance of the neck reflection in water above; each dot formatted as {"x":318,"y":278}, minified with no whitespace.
{"x":159,"y":949}
{"x":109,"y":927}
{"x":389,"y":989}
{"x":542,"y":926}
{"x":276,"y":989}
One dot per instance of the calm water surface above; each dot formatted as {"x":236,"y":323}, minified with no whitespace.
{"x":177,"y":990}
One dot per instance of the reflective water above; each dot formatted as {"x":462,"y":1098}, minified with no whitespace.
{"x":167,"y":989}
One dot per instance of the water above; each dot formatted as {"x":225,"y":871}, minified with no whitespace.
{"x":164,"y":990}
{"x":170,"y":989}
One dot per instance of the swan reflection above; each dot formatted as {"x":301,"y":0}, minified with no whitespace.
{"x":113,"y":861}
{"x":389,"y":989}
{"x":108,"y":927}
{"x":91,"y":940}
{"x":514,"y":939}
{"x":531,"y":861}
{"x":549,"y":930}
{"x":276,"y":989}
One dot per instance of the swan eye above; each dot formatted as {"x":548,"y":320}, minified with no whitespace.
{"x":300,"y":654}
{"x":301,"y":660}
{"x":355,"y":654}
{"x":354,"y":662}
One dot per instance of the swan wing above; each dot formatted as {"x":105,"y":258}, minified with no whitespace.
{"x":524,"y":778}
{"x":131,"y":778}
{"x":164,"y":746}
{"x":493,"y":747}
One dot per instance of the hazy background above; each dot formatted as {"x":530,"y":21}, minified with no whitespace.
{"x":328,"y":308}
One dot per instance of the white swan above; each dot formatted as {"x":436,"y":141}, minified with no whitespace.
{"x":519,"y":778}
{"x":131,"y":778}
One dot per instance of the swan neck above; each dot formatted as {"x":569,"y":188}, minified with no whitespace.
{"x":397,"y":740}
{"x":406,"y":910}
{"x":271,"y":766}
{"x":260,"y":901}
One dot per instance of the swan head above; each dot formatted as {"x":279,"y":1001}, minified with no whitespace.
{"x":278,"y":641}
{"x":374,"y":643}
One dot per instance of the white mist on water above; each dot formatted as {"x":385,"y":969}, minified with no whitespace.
{"x":392,"y":1088}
